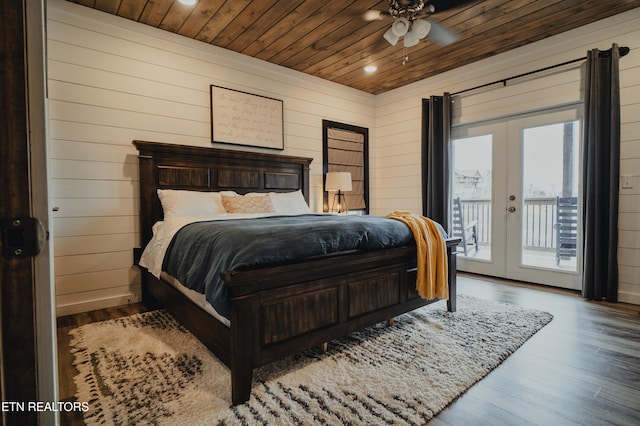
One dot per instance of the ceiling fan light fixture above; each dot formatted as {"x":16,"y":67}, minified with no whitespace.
{"x":421,"y":28}
{"x":391,"y":37}
{"x":411,"y":39}
{"x":400,"y":26}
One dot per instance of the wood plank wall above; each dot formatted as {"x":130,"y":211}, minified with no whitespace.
{"x":396,"y":178}
{"x":112,"y":81}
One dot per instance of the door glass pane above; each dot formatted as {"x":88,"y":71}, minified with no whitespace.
{"x":471,"y":183}
{"x":550,"y":188}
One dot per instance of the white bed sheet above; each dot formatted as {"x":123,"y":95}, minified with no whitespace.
{"x":197,"y":298}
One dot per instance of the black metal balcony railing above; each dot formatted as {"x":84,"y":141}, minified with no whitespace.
{"x":539,"y":220}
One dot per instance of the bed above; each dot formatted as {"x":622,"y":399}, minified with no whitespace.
{"x":280,"y":309}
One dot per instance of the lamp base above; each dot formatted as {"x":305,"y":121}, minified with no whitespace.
{"x":339,"y":204}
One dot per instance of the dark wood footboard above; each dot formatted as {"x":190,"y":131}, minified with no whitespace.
{"x":282,"y":310}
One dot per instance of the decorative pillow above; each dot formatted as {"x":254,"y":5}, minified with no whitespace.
{"x":252,"y":204}
{"x":177,"y":203}
{"x":289,"y":202}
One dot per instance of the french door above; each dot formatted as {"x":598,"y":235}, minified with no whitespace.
{"x":515,"y":186}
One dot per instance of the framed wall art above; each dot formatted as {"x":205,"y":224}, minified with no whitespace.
{"x":241,"y":118}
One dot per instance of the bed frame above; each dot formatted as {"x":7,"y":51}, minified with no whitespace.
{"x":279,"y":310}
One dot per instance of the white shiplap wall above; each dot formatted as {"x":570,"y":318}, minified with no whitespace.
{"x":112,"y":81}
{"x":396,"y":184}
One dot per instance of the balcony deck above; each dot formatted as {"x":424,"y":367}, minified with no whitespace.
{"x":532,"y":257}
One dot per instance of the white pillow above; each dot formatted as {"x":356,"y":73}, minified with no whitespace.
{"x":177,"y":203}
{"x":289,"y":202}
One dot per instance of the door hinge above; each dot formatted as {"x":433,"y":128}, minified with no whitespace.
{"x":22,"y":237}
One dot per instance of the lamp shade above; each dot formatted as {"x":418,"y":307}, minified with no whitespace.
{"x":411,"y":38}
{"x":421,"y":28}
{"x":391,"y":37}
{"x":400,"y":26}
{"x":338,"y":181}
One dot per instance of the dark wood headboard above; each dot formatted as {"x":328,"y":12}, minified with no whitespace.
{"x":171,"y":166}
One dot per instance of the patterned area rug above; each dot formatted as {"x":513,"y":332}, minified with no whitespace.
{"x":147,"y":369}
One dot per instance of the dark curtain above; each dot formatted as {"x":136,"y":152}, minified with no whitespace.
{"x":601,"y":175}
{"x":436,"y":131}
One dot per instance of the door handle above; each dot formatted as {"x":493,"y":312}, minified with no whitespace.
{"x":511,"y":209}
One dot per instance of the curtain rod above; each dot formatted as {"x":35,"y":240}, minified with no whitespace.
{"x":623,"y":52}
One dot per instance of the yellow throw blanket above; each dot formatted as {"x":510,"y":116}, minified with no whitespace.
{"x":432,"y":280}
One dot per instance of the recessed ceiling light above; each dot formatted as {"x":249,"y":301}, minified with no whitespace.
{"x":370,"y":68}
{"x":189,"y":2}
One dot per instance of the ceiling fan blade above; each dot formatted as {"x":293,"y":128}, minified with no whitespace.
{"x":441,"y":34}
{"x":442,"y":5}
{"x":375,"y":15}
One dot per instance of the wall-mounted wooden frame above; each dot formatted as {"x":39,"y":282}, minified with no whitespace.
{"x":241,"y":118}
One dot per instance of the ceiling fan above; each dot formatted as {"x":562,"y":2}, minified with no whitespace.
{"x":412,"y":22}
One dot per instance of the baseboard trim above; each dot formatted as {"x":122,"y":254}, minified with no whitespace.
{"x":92,"y":305}
{"x":631,"y":298}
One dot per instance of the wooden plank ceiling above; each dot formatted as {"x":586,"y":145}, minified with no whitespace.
{"x":330,"y":39}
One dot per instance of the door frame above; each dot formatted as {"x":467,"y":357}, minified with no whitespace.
{"x":28,"y":355}
{"x":501,"y":226}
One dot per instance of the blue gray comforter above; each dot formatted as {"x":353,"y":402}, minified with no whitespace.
{"x":200,"y":251}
